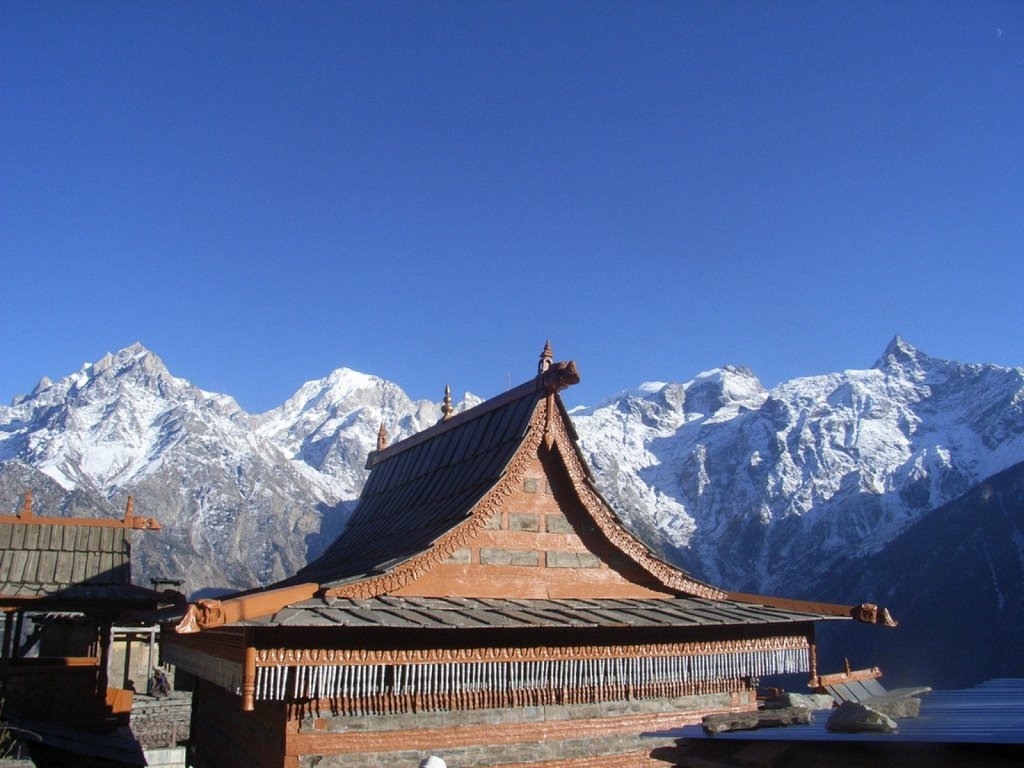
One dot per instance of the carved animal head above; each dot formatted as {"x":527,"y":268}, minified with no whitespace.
{"x":558,"y":376}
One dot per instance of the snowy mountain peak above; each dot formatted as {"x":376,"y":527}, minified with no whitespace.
{"x":901,"y":356}
{"x":731,"y":385}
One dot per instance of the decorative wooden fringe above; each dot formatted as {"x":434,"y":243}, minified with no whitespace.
{"x":382,"y":689}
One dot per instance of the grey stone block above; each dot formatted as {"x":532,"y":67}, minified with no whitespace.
{"x":523,"y":522}
{"x":854,"y":717}
{"x":558,"y":524}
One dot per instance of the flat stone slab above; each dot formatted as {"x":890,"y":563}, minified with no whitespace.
{"x":749,"y":721}
{"x":855,"y":717}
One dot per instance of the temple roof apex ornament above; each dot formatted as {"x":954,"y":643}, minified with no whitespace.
{"x":446,"y":408}
{"x":546,"y":357}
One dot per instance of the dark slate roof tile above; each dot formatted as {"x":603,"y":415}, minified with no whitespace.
{"x":439,"y":613}
{"x":417,"y":493}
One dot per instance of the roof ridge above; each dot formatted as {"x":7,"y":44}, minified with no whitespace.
{"x":530,"y":387}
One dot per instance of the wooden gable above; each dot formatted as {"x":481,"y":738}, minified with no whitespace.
{"x":519,"y":514}
{"x":537,"y":540}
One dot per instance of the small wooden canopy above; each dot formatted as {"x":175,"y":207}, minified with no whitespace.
{"x":66,"y":563}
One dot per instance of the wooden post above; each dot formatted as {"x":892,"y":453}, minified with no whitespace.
{"x":104,"y":640}
{"x":249,"y":679}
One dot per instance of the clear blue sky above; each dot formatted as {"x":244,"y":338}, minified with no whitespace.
{"x":263,"y":192}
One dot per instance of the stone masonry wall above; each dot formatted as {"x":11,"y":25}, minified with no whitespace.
{"x":558,"y":734}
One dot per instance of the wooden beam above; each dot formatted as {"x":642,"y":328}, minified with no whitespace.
{"x":207,"y":614}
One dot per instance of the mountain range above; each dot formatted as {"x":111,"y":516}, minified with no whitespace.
{"x":823,"y":487}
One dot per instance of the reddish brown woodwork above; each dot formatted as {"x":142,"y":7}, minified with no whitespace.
{"x":851,"y":676}
{"x":867,"y":613}
{"x":548,"y":438}
{"x":249,"y":678}
{"x":130,"y":520}
{"x":272,"y":657}
{"x":119,"y":701}
{"x":510,"y":581}
{"x":208,"y":614}
{"x":526,"y":549}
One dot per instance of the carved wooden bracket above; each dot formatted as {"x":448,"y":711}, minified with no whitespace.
{"x":869,"y":613}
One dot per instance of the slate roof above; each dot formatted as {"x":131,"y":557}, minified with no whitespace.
{"x":66,"y":562}
{"x":420,"y":488}
{"x":494,"y":613}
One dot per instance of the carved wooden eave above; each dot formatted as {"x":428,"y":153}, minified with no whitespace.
{"x":865,"y":613}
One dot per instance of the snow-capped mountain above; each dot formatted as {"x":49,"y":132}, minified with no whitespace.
{"x":762,"y":490}
{"x":243,"y":499}
{"x":748,"y":488}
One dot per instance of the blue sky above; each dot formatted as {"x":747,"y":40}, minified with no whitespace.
{"x":261,"y":193}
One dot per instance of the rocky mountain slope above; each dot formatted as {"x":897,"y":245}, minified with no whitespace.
{"x":769,"y":490}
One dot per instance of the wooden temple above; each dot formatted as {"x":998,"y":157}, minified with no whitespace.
{"x":64,"y":583}
{"x":484,"y":604}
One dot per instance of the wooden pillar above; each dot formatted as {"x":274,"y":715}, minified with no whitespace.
{"x":104,"y":641}
{"x":812,"y":656}
{"x":249,"y":676}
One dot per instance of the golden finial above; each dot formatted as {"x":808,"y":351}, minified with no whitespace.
{"x":446,"y":408}
{"x":382,"y":437}
{"x":546,"y":357}
{"x":129,"y":510}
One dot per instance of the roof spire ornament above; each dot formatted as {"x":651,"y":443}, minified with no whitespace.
{"x":26,"y":510}
{"x":382,"y":437}
{"x":546,"y":357}
{"x":446,"y":408}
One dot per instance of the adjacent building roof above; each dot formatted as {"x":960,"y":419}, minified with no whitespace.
{"x":69,"y":559}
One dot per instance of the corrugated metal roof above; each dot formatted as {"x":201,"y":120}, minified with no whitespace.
{"x":990,"y":713}
{"x":469,"y":613}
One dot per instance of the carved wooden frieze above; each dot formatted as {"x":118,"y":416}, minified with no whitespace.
{"x":357,"y":656}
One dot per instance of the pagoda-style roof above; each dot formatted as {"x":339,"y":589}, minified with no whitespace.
{"x":58,"y":562}
{"x":422,"y":487}
{"x":439,"y":518}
